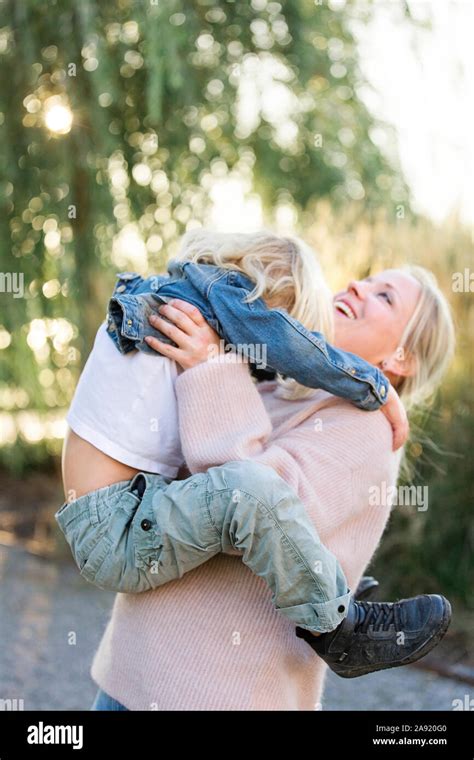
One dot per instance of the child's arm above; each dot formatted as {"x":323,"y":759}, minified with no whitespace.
{"x":266,"y":337}
{"x":270,"y":337}
{"x":288,"y":347}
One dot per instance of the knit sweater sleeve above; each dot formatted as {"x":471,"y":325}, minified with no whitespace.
{"x":223,"y":418}
{"x":221,"y":414}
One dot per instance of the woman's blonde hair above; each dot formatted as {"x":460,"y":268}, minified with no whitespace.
{"x":428,"y":340}
{"x":286,"y":274}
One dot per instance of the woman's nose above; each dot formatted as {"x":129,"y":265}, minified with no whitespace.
{"x":357,"y":287}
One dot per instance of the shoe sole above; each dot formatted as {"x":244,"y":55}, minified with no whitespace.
{"x":414,"y":656}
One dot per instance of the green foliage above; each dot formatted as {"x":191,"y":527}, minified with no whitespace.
{"x":158,"y":85}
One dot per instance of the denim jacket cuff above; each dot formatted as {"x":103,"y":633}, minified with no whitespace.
{"x":120,"y":325}
{"x":377,"y":395}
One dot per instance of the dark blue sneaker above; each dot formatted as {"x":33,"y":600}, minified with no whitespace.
{"x":366,"y":589}
{"x":379,"y":635}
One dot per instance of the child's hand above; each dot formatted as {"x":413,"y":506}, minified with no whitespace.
{"x":397,"y":416}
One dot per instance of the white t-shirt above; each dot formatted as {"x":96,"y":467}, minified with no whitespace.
{"x":125,"y":405}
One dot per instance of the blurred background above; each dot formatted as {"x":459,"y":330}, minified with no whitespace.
{"x":124,"y":124}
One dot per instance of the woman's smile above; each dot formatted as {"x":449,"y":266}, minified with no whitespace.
{"x":371,"y":314}
{"x":342,"y":306}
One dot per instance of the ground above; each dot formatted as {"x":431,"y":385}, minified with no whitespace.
{"x":44,"y":604}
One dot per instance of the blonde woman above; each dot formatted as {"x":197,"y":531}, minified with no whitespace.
{"x":192,"y":338}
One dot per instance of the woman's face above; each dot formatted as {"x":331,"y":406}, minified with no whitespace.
{"x":371,"y":315}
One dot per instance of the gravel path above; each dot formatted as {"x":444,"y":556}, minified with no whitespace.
{"x":51,"y":622}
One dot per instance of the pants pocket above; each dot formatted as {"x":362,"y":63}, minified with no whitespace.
{"x":91,"y":564}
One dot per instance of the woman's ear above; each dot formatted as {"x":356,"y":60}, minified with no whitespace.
{"x":399,"y":364}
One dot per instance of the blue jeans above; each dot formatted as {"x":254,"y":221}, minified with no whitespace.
{"x":102,"y":701}
{"x":136,"y":535}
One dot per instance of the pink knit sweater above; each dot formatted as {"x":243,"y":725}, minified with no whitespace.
{"x":212,"y":640}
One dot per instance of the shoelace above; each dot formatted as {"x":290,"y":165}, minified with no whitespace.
{"x":380,"y":615}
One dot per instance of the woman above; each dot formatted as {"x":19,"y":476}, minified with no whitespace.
{"x":213,"y":640}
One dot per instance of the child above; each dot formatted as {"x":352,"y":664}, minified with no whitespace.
{"x":132,"y":527}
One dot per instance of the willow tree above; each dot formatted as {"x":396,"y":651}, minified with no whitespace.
{"x":116,"y":117}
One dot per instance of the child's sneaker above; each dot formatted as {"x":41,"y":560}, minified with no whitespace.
{"x":367,"y":589}
{"x":375,"y":635}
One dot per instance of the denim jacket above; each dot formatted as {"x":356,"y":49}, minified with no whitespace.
{"x":254,"y":329}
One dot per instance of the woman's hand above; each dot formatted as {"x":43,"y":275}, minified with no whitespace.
{"x":397,"y":416}
{"x":195,"y":339}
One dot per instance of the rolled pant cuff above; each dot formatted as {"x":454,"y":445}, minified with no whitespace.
{"x":320,"y":617}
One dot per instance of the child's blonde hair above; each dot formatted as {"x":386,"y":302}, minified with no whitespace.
{"x":286,"y":274}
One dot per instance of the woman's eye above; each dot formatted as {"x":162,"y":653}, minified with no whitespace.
{"x":386,"y":296}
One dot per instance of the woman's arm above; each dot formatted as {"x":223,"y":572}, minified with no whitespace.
{"x":216,"y":393}
{"x":195,"y":339}
{"x":220,"y":400}
{"x":338,"y":459}
{"x":222,"y":417}
{"x":332,"y":466}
